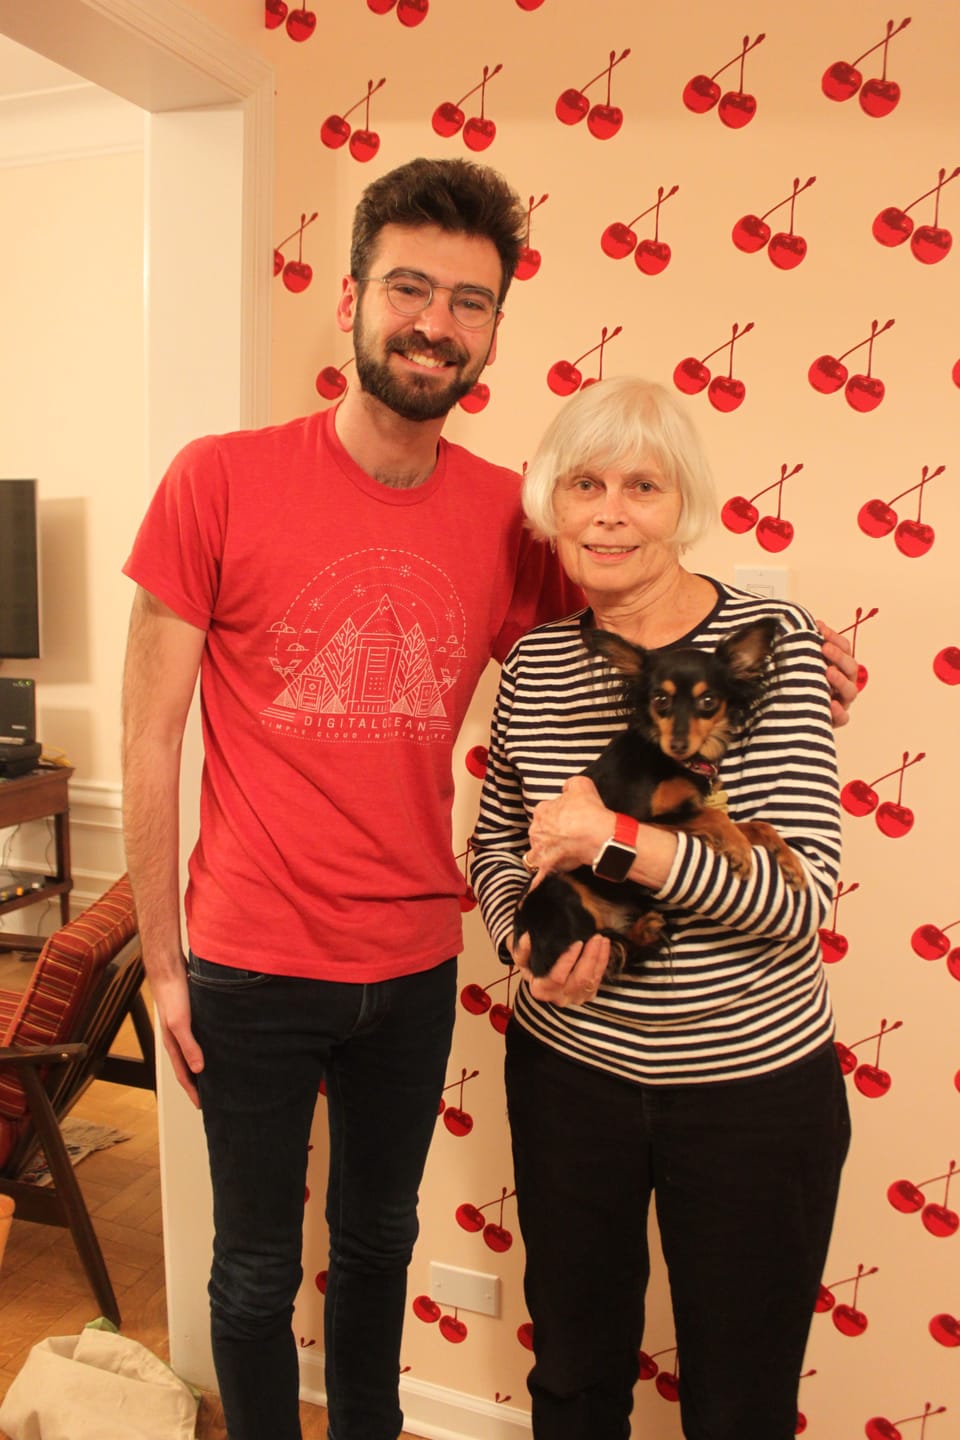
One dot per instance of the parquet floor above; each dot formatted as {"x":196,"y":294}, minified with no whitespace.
{"x":43,"y":1290}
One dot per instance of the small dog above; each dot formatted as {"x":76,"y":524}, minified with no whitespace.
{"x":683,"y":706}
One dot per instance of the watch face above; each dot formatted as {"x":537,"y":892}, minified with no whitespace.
{"x":614,"y":861}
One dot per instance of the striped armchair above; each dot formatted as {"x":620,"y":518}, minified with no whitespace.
{"x":55,"y":1040}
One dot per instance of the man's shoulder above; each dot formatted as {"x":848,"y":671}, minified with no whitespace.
{"x":238,"y":443}
{"x":460,"y":460}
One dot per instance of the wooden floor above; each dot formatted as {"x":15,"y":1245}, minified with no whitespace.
{"x":43,"y":1289}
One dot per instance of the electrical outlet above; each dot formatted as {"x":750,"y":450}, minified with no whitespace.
{"x":465,"y":1289}
{"x":770,"y":581}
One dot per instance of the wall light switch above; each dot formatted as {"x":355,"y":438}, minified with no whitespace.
{"x":770,"y":581}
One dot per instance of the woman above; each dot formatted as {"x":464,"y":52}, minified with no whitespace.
{"x":708,"y":1080}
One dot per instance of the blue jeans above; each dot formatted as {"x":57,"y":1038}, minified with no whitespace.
{"x":745,"y":1177}
{"x":267,"y":1042}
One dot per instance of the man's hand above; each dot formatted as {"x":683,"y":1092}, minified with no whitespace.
{"x":171,"y":999}
{"x":841,"y":673}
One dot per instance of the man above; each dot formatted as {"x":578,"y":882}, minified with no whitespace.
{"x":339,"y":583}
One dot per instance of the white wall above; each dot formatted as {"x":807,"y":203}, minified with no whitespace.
{"x":72,"y":378}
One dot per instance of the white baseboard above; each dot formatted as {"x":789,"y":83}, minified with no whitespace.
{"x":433,"y":1411}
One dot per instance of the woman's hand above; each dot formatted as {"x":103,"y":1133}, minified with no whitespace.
{"x":842,"y":671}
{"x":576,"y":976}
{"x":569,"y":831}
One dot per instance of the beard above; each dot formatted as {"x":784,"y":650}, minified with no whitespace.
{"x":414,"y":397}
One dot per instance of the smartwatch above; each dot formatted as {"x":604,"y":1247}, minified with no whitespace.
{"x":617,"y":854}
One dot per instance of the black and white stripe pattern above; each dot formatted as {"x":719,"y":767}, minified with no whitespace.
{"x":741,"y":990}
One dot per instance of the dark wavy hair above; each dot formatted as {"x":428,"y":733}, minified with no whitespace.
{"x":459,"y":196}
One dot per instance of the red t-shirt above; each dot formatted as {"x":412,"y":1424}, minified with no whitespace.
{"x":347,"y":624}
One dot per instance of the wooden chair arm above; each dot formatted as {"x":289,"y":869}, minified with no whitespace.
{"x":19,"y":1058}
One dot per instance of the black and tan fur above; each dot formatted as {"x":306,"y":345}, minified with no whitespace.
{"x":683,"y":705}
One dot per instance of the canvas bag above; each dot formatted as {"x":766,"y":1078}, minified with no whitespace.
{"x":95,"y":1385}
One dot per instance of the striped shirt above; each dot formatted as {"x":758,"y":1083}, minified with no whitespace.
{"x":740,"y":988}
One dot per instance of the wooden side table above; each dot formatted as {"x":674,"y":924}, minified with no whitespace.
{"x":36,"y":796}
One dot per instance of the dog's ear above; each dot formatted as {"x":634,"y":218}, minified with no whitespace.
{"x":747,"y":650}
{"x":628,"y":659}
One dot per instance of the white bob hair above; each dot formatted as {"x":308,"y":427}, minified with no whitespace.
{"x":613,"y":424}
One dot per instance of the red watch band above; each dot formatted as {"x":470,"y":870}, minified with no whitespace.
{"x":626,"y":830}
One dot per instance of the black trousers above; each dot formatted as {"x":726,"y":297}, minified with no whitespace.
{"x":744,"y":1176}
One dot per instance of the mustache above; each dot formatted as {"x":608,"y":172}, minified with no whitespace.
{"x":415,"y":343}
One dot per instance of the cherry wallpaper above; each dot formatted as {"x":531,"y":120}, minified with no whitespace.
{"x":756,"y":204}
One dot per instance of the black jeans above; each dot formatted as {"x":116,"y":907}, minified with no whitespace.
{"x":745,"y":1178}
{"x":267,"y":1042}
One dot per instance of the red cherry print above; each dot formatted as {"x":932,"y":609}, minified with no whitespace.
{"x":938,"y":1218}
{"x":529,"y":4}
{"x":336,"y":130}
{"x":879,"y":1428}
{"x":911,"y":537}
{"x":724,"y":392}
{"x":736,"y":108}
{"x":833,"y":945}
{"x":301,"y":24}
{"x":740,"y":514}
{"x":457,"y":1120}
{"x":928,"y":243}
{"x":905,"y":1196}
{"x":320,"y":1280}
{"x":275,"y":12}
{"x":846,"y":1058}
{"x":841,"y":80}
{"x":603,"y":120}
{"x":847,"y":1318}
{"x":652,"y":255}
{"x":894,"y":819}
{"x":945,"y":1329}
{"x":786,"y":249}
{"x":528,"y":261}
{"x":870,"y":1080}
{"x":828,"y":374}
{"x":453,"y":1329}
{"x":469,"y":1217}
{"x":946,"y":665}
{"x":476,"y":399}
{"x":331,"y":381}
{"x":859,"y":619}
{"x":564,"y":377}
{"x":478,"y":131}
{"x":412,"y":12}
{"x":930,"y":942}
{"x":426,"y":1309}
{"x":525,"y":1335}
{"x":476,"y":761}
{"x":296,"y":273}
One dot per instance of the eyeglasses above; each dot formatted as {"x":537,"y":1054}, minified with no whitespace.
{"x":409,"y":293}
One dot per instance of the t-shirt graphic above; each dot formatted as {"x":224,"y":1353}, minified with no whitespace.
{"x":368,"y":650}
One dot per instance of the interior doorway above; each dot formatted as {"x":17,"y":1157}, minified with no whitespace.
{"x":209,"y":170}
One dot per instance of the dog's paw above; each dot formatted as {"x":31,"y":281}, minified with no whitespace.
{"x":647,"y":930}
{"x":770,"y":839}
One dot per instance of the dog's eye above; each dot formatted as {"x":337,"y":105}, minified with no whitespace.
{"x":660,"y":703}
{"x":708,"y":703}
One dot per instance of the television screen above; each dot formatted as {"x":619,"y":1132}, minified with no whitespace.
{"x":19,"y":571}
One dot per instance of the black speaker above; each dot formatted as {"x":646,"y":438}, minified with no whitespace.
{"x":18,"y":711}
{"x":19,"y":759}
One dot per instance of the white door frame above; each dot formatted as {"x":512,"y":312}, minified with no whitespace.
{"x":208,"y":247}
